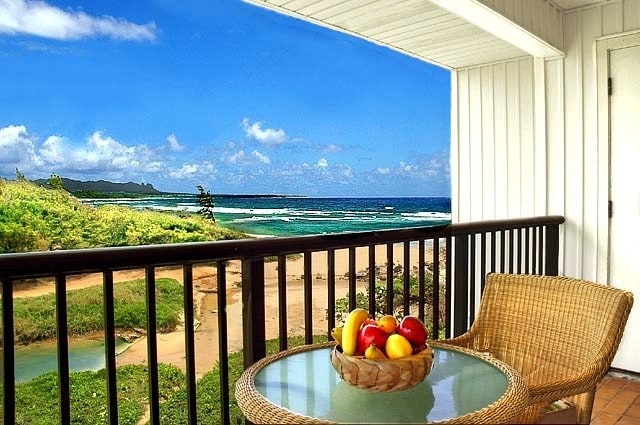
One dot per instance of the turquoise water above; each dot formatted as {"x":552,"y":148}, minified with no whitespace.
{"x":288,"y":216}
{"x":36,"y":359}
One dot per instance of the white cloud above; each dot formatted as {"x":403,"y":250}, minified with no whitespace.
{"x":186,"y":171}
{"x":41,"y":19}
{"x":261,"y":157}
{"x":51,"y":150}
{"x":268,"y":136}
{"x":235,"y":157}
{"x":174,"y":143}
{"x":435,"y":166}
{"x":331,"y":148}
{"x":244,"y":158}
{"x":407,"y":168}
{"x":192,"y":170}
{"x":16,"y":146}
{"x":99,"y":154}
{"x":107,"y":153}
{"x":321,"y":172}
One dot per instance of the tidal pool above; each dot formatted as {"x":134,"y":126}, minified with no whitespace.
{"x":36,"y":359}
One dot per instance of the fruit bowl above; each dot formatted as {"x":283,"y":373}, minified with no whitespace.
{"x":383,"y":374}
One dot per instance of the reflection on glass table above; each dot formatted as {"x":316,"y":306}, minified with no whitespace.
{"x":301,"y":384}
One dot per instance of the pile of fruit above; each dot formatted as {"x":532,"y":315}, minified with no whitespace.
{"x":384,"y":338}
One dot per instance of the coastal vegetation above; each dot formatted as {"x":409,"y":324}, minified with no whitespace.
{"x":34,"y":317}
{"x":34,"y":218}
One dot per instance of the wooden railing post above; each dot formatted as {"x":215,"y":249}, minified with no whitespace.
{"x":253,"y":310}
{"x":108,"y":306}
{"x":308,"y":299}
{"x":62,"y":339}
{"x":223,"y":343}
{"x":551,"y":249}
{"x":152,"y":346}
{"x":460,"y":285}
{"x":8,"y":366}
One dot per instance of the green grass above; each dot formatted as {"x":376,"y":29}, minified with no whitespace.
{"x":33,"y":218}
{"x":34,"y":317}
{"x":37,"y":400}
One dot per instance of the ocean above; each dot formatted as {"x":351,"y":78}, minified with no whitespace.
{"x":290,"y":216}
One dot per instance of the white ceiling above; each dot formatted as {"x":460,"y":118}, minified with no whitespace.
{"x":436,"y":31}
{"x":414,"y":27}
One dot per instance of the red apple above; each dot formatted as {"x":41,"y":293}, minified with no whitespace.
{"x":370,"y":334}
{"x":369,"y":321}
{"x":413,"y":329}
{"x":418,"y":348}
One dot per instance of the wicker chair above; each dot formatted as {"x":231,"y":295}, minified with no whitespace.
{"x":560,"y":333}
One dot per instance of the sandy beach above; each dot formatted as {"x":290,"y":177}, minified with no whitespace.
{"x":171,"y":345}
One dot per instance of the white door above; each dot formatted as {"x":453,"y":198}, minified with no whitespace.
{"x":624,"y":248}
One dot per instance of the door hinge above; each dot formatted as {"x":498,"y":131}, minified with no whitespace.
{"x":610,"y":209}
{"x":609,"y":86}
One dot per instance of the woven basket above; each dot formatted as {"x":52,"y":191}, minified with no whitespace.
{"x":382,"y":375}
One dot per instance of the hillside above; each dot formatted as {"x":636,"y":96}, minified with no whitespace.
{"x":71,"y":185}
{"x":34,"y":218}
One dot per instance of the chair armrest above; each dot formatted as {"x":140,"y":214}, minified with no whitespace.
{"x":573,"y":385}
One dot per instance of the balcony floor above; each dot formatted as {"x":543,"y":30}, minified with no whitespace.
{"x":617,"y":401}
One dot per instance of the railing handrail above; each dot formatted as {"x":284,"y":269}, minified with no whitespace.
{"x":77,"y":261}
{"x":529,"y":245}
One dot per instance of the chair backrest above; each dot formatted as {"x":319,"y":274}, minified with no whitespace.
{"x":548,"y":325}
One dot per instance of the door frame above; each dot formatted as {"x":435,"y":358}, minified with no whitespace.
{"x":604,"y":46}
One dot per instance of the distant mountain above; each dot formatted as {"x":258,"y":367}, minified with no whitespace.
{"x":71,"y":185}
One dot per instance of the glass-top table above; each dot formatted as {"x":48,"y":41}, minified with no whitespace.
{"x":300,"y":385}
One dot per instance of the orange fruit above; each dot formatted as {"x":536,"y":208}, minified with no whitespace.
{"x":387,"y":323}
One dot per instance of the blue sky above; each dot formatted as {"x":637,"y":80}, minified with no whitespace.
{"x":220,"y":93}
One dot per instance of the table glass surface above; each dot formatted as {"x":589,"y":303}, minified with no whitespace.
{"x":306,"y":383}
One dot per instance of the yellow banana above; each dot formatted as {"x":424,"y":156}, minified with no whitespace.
{"x":374,"y":353}
{"x":350,"y":330}
{"x":336,"y":333}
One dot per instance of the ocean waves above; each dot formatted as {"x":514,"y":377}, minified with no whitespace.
{"x":283,"y":216}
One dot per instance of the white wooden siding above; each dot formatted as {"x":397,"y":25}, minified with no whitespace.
{"x":536,"y":126}
{"x":496,"y":133}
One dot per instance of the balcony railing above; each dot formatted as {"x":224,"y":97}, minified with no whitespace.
{"x":470,"y":251}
